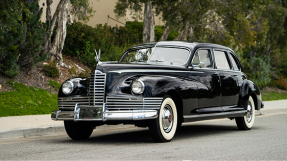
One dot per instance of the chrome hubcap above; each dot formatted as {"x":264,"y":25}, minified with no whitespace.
{"x":249,"y":113}
{"x":167,"y":118}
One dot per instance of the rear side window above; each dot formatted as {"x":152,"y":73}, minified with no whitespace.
{"x":233,"y":62}
{"x":221,"y":60}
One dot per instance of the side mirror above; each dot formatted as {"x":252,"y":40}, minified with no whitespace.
{"x":190,"y":67}
{"x":201,"y":65}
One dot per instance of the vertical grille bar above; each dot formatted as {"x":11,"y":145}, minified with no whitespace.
{"x":97,"y":88}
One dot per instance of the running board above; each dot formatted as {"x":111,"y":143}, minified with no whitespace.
{"x":199,"y":117}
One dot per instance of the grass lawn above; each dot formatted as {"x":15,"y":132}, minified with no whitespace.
{"x":26,"y":101}
{"x":271,"y":96}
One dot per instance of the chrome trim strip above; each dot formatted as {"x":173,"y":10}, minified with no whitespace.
{"x":151,"y":70}
{"x":214,"y":114}
{"x":69,"y":102}
{"x":131,"y":115}
{"x":130,"y":103}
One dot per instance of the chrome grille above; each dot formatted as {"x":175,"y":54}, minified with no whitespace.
{"x":97,"y":89}
{"x":128,"y":103}
{"x":68,"y":103}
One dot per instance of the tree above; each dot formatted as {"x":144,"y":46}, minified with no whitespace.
{"x":79,"y":8}
{"x":136,"y":5}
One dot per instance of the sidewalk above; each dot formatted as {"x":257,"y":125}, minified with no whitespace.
{"x":42,"y":125}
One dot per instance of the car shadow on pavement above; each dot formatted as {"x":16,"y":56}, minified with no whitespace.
{"x":141,"y":135}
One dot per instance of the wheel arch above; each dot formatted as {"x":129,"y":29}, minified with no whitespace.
{"x":248,"y":89}
{"x":176,"y":96}
{"x":254,"y":97}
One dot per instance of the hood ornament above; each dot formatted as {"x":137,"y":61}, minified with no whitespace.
{"x":97,"y":57}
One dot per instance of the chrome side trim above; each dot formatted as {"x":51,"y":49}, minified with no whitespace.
{"x":131,"y":115}
{"x":145,"y":71}
{"x":215,"y":114}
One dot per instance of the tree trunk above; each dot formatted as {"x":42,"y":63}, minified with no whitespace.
{"x":190,"y":32}
{"x":148,"y":24}
{"x":183,"y":33}
{"x":164,"y":34}
{"x":47,"y":45}
{"x":59,"y":40}
{"x":48,"y":10}
{"x":152,"y":23}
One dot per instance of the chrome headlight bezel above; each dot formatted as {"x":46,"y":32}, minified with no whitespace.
{"x":137,"y":87}
{"x":67,"y":87}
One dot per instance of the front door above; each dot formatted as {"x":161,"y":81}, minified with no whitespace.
{"x":207,"y":81}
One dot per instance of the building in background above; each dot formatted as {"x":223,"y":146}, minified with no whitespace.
{"x":104,"y":8}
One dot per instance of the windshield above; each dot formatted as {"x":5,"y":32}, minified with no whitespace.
{"x":172,"y":56}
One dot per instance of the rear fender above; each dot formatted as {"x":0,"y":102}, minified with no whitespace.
{"x":248,"y":88}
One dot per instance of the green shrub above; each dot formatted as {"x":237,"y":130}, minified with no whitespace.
{"x":21,"y":35}
{"x":51,"y":70}
{"x":86,"y":55}
{"x":258,"y":70}
{"x":136,"y":28}
{"x":55,"y":84}
{"x":82,"y":40}
{"x":158,"y":30}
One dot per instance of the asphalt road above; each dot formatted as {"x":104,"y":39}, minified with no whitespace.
{"x":205,"y":140}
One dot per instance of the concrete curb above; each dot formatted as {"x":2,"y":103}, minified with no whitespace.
{"x":32,"y":132}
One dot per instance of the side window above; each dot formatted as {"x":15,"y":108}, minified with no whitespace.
{"x":233,"y":62}
{"x":221,"y":60}
{"x":204,"y":57}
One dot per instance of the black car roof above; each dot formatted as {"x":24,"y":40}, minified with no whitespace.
{"x":181,"y":43}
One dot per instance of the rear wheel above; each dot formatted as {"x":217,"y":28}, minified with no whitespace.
{"x":246,"y":122}
{"x":78,"y":130}
{"x":164,"y":127}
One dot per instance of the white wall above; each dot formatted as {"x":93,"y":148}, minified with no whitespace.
{"x":103,"y":9}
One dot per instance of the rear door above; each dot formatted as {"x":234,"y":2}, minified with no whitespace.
{"x":228,"y":79}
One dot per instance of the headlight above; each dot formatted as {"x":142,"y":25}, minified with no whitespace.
{"x":138,"y":87}
{"x":67,"y":87}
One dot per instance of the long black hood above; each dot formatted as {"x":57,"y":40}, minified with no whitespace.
{"x":120,"y":75}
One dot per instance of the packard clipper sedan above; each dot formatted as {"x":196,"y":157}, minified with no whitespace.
{"x":160,"y":85}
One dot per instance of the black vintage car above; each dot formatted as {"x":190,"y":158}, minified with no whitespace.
{"x":160,"y":85}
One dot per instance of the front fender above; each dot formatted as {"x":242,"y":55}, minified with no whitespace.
{"x":248,"y":88}
{"x":158,"y":86}
{"x":81,"y":87}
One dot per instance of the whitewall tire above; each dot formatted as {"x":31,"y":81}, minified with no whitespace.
{"x":164,"y":127}
{"x":247,"y":122}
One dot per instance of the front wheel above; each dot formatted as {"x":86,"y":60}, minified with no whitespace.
{"x":246,"y":122}
{"x":164,"y":127}
{"x":78,"y":130}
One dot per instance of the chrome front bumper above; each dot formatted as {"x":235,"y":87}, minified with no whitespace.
{"x":90,"y":113}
